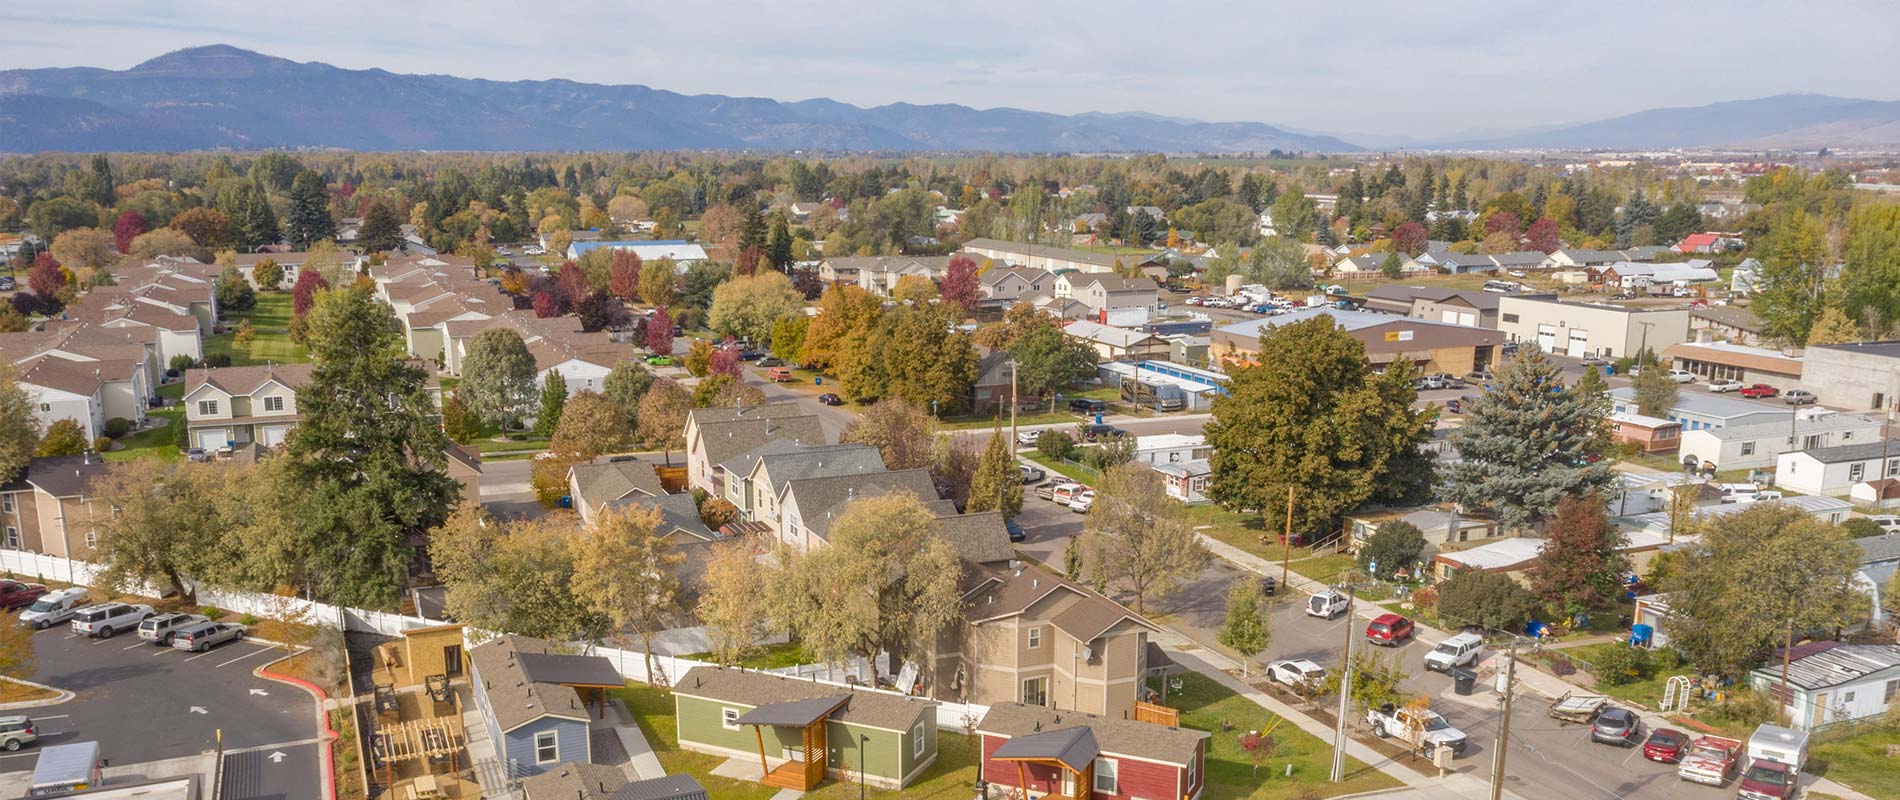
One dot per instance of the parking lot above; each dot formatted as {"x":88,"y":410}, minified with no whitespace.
{"x":146,"y":703}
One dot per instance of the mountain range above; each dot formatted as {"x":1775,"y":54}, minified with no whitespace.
{"x":224,"y":96}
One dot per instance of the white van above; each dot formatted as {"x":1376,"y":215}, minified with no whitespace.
{"x":1458,"y":651}
{"x":53,"y":608}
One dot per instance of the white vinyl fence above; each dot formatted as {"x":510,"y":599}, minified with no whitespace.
{"x":632,"y":664}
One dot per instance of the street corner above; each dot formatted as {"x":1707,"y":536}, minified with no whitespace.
{"x":34,"y":695}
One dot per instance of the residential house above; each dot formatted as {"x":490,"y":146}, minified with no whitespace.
{"x":66,"y":390}
{"x":1171,"y":448}
{"x":1030,"y":751}
{"x":994,"y":382}
{"x":1826,"y":509}
{"x":582,"y":360}
{"x":1513,"y":556}
{"x":683,"y":254}
{"x":579,"y":780}
{"x":1703,"y":411}
{"x":1649,"y":435}
{"x":809,"y":506}
{"x":1745,"y":278}
{"x":879,"y":274}
{"x":1029,"y":636}
{"x":1055,"y":259}
{"x":799,"y":731}
{"x":1366,"y":264}
{"x":1117,"y":344}
{"x":1861,"y":375}
{"x":1464,"y":263}
{"x":1835,"y":470}
{"x":1001,"y":288}
{"x":1709,"y":242}
{"x":175,"y":333}
{"x":232,"y":406}
{"x":1582,"y":329}
{"x":1442,"y":526}
{"x":1451,"y":306}
{"x":1880,"y":493}
{"x":1728,"y":323}
{"x":1100,"y":292}
{"x":1879,"y":560}
{"x":755,"y":480}
{"x":1824,"y":683}
{"x":1571,"y":257}
{"x":596,"y":484}
{"x":464,"y":464}
{"x":1189,"y":350}
{"x":1433,"y":346}
{"x":1186,"y":481}
{"x":715,"y":435}
{"x":1658,"y":278}
{"x":1756,"y":446}
{"x":536,"y":703}
{"x":49,"y":509}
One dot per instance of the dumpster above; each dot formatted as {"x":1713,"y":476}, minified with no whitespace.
{"x":1463,"y":680}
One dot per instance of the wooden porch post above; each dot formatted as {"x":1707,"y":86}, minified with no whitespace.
{"x":1022,"y":779}
{"x":758,"y":732}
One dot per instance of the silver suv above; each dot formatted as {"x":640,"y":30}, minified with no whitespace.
{"x":105,"y":619}
{"x":17,"y":732}
{"x":160,"y":629}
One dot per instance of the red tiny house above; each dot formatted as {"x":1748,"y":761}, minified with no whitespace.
{"x":1068,"y":755}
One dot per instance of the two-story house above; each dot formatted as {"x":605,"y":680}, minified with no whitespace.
{"x":753,"y":481}
{"x":1001,"y":288}
{"x":66,"y":390}
{"x":809,"y":506}
{"x":1030,"y":637}
{"x":48,"y":508}
{"x":233,"y":406}
{"x":716,"y":435}
{"x":1106,"y":291}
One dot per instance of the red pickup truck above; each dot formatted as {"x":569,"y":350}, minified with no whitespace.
{"x":1759,"y":390}
{"x":1710,"y":760}
{"x":14,"y":594}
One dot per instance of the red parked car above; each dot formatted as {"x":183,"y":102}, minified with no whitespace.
{"x":14,"y":594}
{"x":1759,"y":390}
{"x":1666,"y":745}
{"x":1389,"y":630}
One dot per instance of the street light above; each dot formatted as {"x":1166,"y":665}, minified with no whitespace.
{"x":862,"y":741}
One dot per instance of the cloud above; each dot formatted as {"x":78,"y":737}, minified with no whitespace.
{"x":1376,"y":65}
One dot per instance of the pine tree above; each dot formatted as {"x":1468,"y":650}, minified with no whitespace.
{"x":1072,"y":559}
{"x":1655,"y":390}
{"x":778,"y":248}
{"x":308,"y":219}
{"x":381,"y":230}
{"x":553,"y":401}
{"x":1528,"y":442}
{"x":250,"y":211}
{"x":997,"y":484}
{"x":752,"y":230}
{"x":1393,"y":267}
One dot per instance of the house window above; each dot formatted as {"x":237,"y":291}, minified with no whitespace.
{"x":1893,"y":465}
{"x":1105,"y":776}
{"x":547,"y":747}
{"x":92,"y":539}
{"x":1035,"y":638}
{"x":1036,"y":691}
{"x":46,"y":406}
{"x":6,"y":503}
{"x":729,"y":718}
{"x":1893,"y":688}
{"x":1856,"y":471}
{"x":1880,"y":400}
{"x":273,"y":403}
{"x":917,"y":740}
{"x":1508,"y":317}
{"x":1847,"y":698}
{"x":207,"y":407}
{"x":1193,"y":769}
{"x":13,"y":543}
{"x":1748,"y":448}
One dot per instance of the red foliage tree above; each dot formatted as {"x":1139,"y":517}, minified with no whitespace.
{"x":959,"y":282}
{"x":1505,"y":221}
{"x":129,"y":226}
{"x":45,"y":277}
{"x":1410,"y":238}
{"x":660,"y":333}
{"x":573,"y":282}
{"x":304,"y":293}
{"x":749,"y":260}
{"x":623,"y":275}
{"x":546,"y":304}
{"x":725,"y":361}
{"x":1543,"y":235}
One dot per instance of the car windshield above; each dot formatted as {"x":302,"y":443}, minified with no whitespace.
{"x":42,"y":605}
{"x":1611,"y":720}
{"x":1766,"y":774}
{"x":1666,"y":738}
{"x":92,"y":616}
{"x":1436,"y":723}
{"x":1447,"y":648}
{"x":1381,"y":627}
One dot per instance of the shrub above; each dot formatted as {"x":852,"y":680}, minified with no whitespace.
{"x":1622,"y":664}
{"x":1490,"y":599}
{"x":211,"y":612}
{"x":179,"y":363}
{"x":248,"y":620}
{"x":102,"y":444}
{"x":117,"y":427}
{"x":218,"y":360}
{"x":1055,"y":444}
{"x":1861,"y":528}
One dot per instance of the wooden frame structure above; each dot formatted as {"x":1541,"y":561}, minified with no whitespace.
{"x":811,"y":718}
{"x":1071,"y":751}
{"x":438,"y":742}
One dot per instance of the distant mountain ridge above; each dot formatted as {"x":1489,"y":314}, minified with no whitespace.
{"x":224,"y":96}
{"x":1793,"y":121}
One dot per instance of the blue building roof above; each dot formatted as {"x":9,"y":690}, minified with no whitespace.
{"x":582,"y":247}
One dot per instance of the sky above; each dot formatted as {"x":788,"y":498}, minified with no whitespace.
{"x":1393,"y":69}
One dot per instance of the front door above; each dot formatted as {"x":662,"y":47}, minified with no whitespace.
{"x":452,"y":660}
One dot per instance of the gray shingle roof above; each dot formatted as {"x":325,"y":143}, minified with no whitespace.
{"x":1115,"y":737}
{"x":979,"y":538}
{"x":678,"y":514}
{"x":615,"y":480}
{"x":822,"y":500}
{"x":747,"y":688}
{"x":727,"y":439}
{"x":514,"y":699}
{"x":1072,"y":747}
{"x":823,"y":461}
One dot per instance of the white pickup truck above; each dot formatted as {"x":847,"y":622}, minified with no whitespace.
{"x":1429,"y":732}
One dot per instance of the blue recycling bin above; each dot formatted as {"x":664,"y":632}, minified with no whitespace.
{"x":1640,"y":635}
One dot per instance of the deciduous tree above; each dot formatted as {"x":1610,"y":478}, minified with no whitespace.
{"x":625,"y":385}
{"x":1396,"y":545}
{"x":63,"y":437}
{"x":498,"y":376}
{"x":659,"y":339}
{"x":624,"y":572}
{"x":1047,"y":360}
{"x":1489,"y":599}
{"x":19,"y":423}
{"x":662,"y":416}
{"x":960,"y":282}
{"x":129,"y":226}
{"x":748,"y":306}
{"x":164,"y":511}
{"x":553,"y":402}
{"x":1246,"y":629}
{"x":729,"y":604}
{"x":1832,"y":327}
{"x":85,"y":251}
{"x":1138,"y":540}
{"x":900,"y":430}
{"x":846,"y":314}
{"x":209,"y":227}
{"x":997,"y":484}
{"x":1582,"y":565}
{"x":514,"y":576}
{"x":267,"y":274}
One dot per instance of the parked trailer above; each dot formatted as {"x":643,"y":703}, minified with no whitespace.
{"x":1578,"y":708}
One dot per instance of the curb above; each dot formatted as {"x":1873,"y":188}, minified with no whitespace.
{"x":60,"y":696}
{"x":327,"y":733}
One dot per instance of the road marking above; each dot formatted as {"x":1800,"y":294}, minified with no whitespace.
{"x":245,"y":656}
{"x":199,"y":710}
{"x":139,"y":643}
{"x":20,"y":755}
{"x":168,"y":649}
{"x":55,"y":716}
{"x":276,"y":757}
{"x":201,"y":655}
{"x":279,"y":745}
{"x":260,"y":693}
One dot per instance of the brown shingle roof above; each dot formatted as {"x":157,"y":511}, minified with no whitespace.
{"x":245,"y":380}
{"x":66,"y":376}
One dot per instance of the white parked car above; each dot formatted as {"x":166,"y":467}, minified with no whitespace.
{"x":1083,"y":502}
{"x":53,"y":608}
{"x":1465,"y":648}
{"x":1725,"y":386}
{"x":105,"y":619}
{"x":1682,"y":376}
{"x":1297,"y":673}
{"x":1326,"y":604}
{"x":1887,"y":522}
{"x":1027,"y":438}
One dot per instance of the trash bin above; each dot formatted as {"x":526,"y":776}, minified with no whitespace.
{"x":1463,"y":680}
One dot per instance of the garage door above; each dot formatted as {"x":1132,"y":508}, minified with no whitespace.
{"x":1579,"y":342}
{"x":1547,"y":338}
{"x":211,"y":440}
{"x":272,"y":435}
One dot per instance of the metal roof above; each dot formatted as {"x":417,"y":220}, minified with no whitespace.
{"x":569,"y":670}
{"x":1071,"y":747}
{"x":1823,"y":665}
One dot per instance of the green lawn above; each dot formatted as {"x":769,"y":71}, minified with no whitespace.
{"x":271,"y":321}
{"x":1242,"y":530}
{"x":1646,"y":692}
{"x":1067,"y":469}
{"x":771,"y":656}
{"x":1860,"y":761}
{"x":1205,"y":704}
{"x":518,"y":443}
{"x":161,"y":443}
{"x":950,"y":776}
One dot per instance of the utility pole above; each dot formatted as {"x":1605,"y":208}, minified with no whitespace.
{"x":1012,"y":405}
{"x":1787,"y":653}
{"x":1504,"y":725}
{"x":1286,"y":539}
{"x":1345,"y":695}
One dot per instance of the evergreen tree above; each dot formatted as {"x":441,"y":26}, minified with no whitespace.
{"x":308,"y":219}
{"x":625,"y":385}
{"x":381,"y":230}
{"x":1528,"y":442}
{"x":250,"y":211}
{"x":1655,"y":390}
{"x":102,"y":183}
{"x":778,"y":248}
{"x":752,"y":230}
{"x":997,"y":484}
{"x":1393,"y":266}
{"x":369,"y":454}
{"x":553,"y":401}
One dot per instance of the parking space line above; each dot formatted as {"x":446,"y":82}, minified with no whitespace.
{"x":201,"y":655}
{"x":245,"y":656}
{"x":139,"y":643}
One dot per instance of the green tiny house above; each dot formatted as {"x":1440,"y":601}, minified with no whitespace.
{"x":890,"y":737}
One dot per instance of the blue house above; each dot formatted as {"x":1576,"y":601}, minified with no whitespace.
{"x":537,"y":703}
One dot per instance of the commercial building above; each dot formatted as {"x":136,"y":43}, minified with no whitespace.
{"x":1433,"y":346}
{"x":1583,"y":329}
{"x":1713,"y":361}
{"x":1862,"y":375}
{"x":1451,"y":306}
